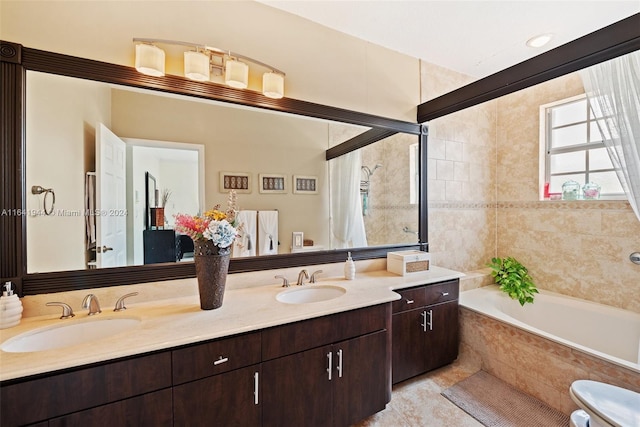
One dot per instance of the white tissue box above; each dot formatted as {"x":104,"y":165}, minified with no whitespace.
{"x":408,"y":262}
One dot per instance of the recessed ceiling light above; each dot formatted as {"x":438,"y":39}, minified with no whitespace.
{"x":540,"y":40}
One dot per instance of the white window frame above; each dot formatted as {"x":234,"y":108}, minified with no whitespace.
{"x":546,"y":151}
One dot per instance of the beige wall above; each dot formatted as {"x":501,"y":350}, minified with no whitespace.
{"x":60,"y":141}
{"x":578,"y":248}
{"x":483,"y":200}
{"x":461,"y":178}
{"x":322,"y":65}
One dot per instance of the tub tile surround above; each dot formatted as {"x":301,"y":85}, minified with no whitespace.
{"x":535,"y":365}
{"x":250,"y":304}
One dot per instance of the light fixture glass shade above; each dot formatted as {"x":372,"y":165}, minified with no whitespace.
{"x":196,"y":66}
{"x":150,"y":60}
{"x":273,"y":85}
{"x":236,"y":74}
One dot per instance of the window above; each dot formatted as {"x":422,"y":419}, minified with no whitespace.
{"x":573,"y":148}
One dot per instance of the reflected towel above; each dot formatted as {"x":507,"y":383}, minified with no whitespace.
{"x":245,"y":245}
{"x":267,"y":232}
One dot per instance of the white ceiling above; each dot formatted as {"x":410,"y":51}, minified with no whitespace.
{"x":477,"y":38}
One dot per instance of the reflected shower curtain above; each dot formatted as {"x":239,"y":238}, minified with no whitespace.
{"x":346,"y":212}
{"x":613,"y":89}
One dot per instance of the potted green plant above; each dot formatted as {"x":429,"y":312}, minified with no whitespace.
{"x":513,"y":278}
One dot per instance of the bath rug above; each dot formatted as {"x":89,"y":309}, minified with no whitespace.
{"x":494,"y":403}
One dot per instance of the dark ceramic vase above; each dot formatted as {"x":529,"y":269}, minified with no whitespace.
{"x":212,"y":265}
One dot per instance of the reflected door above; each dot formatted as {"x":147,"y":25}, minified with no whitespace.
{"x":111,"y":203}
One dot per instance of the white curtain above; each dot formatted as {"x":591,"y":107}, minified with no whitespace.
{"x":613,"y":89}
{"x":346,"y":211}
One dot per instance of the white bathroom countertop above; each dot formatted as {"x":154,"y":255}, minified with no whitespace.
{"x":179,"y":321}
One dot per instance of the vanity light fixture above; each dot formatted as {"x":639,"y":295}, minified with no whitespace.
{"x":201,"y":61}
{"x":539,"y":40}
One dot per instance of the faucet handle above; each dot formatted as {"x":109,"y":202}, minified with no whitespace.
{"x":285,"y":281}
{"x":67,"y":312}
{"x":313,"y":276}
{"x":120,"y":303}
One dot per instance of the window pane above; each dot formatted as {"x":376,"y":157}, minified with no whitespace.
{"x":568,"y":162}
{"x":599,"y":159}
{"x":569,"y":113}
{"x":570,"y":135}
{"x":598,"y":131}
{"x":608,"y":182}
{"x":557,"y":181}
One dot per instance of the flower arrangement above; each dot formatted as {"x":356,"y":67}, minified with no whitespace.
{"x":219,"y":227}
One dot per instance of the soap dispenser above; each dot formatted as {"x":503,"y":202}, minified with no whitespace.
{"x":10,"y":308}
{"x":349,"y":268}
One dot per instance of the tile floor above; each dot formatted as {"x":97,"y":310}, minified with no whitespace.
{"x":417,"y":402}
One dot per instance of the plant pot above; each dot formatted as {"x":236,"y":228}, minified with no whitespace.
{"x":157,"y":217}
{"x":212,"y":265}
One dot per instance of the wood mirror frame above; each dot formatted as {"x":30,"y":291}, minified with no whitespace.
{"x":16,"y":60}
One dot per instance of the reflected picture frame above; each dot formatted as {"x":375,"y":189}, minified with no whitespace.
{"x":238,"y":181}
{"x":272,"y":183}
{"x":305,"y":184}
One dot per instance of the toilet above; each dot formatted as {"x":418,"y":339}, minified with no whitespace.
{"x":604,"y":405}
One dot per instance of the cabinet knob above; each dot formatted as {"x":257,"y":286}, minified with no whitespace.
{"x":220,"y":361}
{"x":445,"y":294}
{"x":409,"y":301}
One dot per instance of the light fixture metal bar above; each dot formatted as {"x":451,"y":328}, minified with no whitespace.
{"x":210,"y":48}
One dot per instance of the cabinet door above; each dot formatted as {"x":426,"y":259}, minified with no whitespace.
{"x":441,"y":339}
{"x":361,"y":378}
{"x":296,"y":389}
{"x":408,"y":358}
{"x":152,"y":409}
{"x":229,"y":399}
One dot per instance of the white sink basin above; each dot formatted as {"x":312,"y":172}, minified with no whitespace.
{"x":65,"y":335}
{"x":310,"y":294}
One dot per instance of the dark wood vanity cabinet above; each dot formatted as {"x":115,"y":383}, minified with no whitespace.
{"x":335,"y":371}
{"x":331,"y":370}
{"x":425,"y":329}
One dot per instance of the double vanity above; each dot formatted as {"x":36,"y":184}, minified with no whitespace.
{"x":322,"y":354}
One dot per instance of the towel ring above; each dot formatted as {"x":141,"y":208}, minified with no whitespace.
{"x":36,"y":189}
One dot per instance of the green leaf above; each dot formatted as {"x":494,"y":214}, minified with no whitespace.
{"x":513,"y":278}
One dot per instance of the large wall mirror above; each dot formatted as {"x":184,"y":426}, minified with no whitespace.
{"x":190,"y":148}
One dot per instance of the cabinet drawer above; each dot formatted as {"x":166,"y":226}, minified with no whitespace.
{"x":307,"y":334}
{"x":43,"y":398}
{"x":203,"y":360}
{"x":442,"y":292}
{"x":410,"y":298}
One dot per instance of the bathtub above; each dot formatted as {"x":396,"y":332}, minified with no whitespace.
{"x":608,"y":333}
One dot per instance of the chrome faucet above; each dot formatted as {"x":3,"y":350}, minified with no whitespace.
{"x":301,"y":276}
{"x":91,"y":302}
{"x":313,"y":276}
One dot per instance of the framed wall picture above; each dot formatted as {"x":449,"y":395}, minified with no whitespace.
{"x":305,"y":184}
{"x":297,"y":240}
{"x":239,"y":181}
{"x":271,"y":183}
